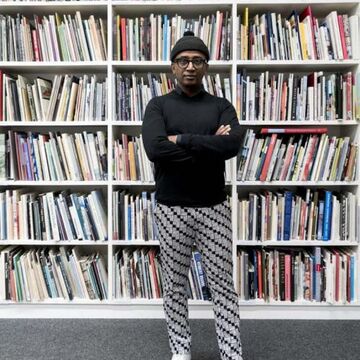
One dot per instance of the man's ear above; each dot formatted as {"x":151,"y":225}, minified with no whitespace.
{"x":173,"y":68}
{"x":206,"y":69}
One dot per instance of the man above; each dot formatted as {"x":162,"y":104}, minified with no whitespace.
{"x":189,"y":134}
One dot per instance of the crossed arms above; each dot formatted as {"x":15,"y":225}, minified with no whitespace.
{"x":160,"y":146}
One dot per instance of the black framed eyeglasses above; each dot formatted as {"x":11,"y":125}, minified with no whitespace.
{"x":184,"y":62}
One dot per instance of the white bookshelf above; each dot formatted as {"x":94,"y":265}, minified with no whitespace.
{"x":296,"y":243}
{"x":142,"y":308}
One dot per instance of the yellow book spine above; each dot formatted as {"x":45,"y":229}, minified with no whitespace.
{"x":132,"y":161}
{"x":246,"y":36}
{"x":303,"y":41}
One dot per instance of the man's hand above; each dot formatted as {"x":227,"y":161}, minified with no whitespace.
{"x":172,"y":138}
{"x":223,"y":130}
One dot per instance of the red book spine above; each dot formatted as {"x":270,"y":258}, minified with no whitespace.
{"x":349,"y":81}
{"x":287,"y":277}
{"x":35,"y":45}
{"x":342,"y":37}
{"x":316,"y":130}
{"x":287,"y":160}
{"x":260,"y":279}
{"x":268,"y":157}
{"x":38,"y":21}
{"x":315,"y":30}
{"x":268,"y":216}
{"x":152,"y":264}
{"x":311,"y":150}
{"x":126,"y":156}
{"x":218,"y":50}
{"x":1,"y":95}
{"x":123,"y":38}
{"x":302,"y":221}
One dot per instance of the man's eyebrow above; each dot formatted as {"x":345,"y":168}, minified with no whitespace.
{"x":187,"y":57}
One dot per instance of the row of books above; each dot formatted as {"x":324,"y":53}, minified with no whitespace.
{"x":316,"y":96}
{"x":52,"y":38}
{"x":133,"y":216}
{"x":131,"y":162}
{"x":153,"y":37}
{"x":275,"y":216}
{"x":42,"y":0}
{"x":51,"y":215}
{"x":79,"y":156}
{"x":297,"y":154}
{"x":271,"y":36}
{"x":268,"y":36}
{"x":321,"y":275}
{"x":309,"y":215}
{"x":134,"y":91}
{"x":138,"y":274}
{"x":55,"y":156}
{"x":64,"y":98}
{"x":30,"y":275}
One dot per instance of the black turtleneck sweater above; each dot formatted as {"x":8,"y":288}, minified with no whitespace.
{"x":190,"y":172}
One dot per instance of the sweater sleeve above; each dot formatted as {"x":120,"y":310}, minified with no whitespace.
{"x":156,"y":143}
{"x":221,"y":147}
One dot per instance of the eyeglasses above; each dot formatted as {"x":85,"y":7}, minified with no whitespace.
{"x":183,"y":62}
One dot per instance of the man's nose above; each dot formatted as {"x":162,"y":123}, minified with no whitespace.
{"x":190,"y":66}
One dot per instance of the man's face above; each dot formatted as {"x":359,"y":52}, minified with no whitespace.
{"x":189,"y":74}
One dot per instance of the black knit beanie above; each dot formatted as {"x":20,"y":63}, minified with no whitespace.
{"x":189,"y":42}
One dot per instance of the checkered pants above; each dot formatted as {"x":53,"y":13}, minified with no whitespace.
{"x":210,"y":229}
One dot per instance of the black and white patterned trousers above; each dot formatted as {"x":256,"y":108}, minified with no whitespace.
{"x":210,"y":229}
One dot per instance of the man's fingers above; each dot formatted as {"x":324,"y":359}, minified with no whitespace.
{"x":219,"y":130}
{"x":223,"y":130}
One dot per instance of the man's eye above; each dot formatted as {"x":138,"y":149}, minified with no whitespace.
{"x":197,"y":61}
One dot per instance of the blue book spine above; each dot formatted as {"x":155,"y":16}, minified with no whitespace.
{"x":320,"y":220}
{"x":164,"y":32}
{"x":352,"y":278}
{"x":27,"y":160}
{"x":262,"y":158}
{"x":269,"y":35}
{"x":51,"y":284}
{"x":287,"y":219}
{"x":32,"y":156}
{"x":327,"y":215}
{"x":202,"y":280}
{"x":153,"y":206}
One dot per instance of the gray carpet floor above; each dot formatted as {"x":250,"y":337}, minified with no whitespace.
{"x":107,"y":339}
